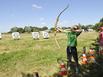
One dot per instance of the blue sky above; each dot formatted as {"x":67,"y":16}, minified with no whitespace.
{"x":40,"y":13}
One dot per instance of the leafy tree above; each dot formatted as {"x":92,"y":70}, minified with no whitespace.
{"x":28,"y":29}
{"x":14,"y":29}
{"x":101,"y":20}
{"x":90,"y":26}
{"x":44,"y":28}
{"x":35,"y":29}
{"x":21,"y":30}
{"x":65,"y":27}
{"x":98,"y":25}
{"x":52,"y":29}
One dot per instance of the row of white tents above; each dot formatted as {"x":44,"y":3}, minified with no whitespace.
{"x":35,"y":35}
{"x":0,"y":36}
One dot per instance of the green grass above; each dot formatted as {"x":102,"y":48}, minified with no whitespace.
{"x":28,"y":55}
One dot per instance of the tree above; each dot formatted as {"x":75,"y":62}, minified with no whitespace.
{"x":98,"y":25}
{"x":35,"y":29}
{"x":44,"y":28}
{"x":21,"y":30}
{"x":101,"y":20}
{"x":28,"y":29}
{"x":14,"y":29}
{"x":52,"y":29}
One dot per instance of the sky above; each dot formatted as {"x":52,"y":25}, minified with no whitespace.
{"x":41,"y":13}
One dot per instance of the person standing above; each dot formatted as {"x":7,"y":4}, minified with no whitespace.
{"x":71,"y":49}
{"x":100,"y":40}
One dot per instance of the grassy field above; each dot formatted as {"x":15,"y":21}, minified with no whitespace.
{"x":28,"y":55}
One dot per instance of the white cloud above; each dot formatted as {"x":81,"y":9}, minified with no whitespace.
{"x":37,"y":6}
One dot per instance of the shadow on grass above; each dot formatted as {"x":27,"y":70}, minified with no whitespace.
{"x":89,"y":70}
{"x":93,"y":69}
{"x":35,"y":74}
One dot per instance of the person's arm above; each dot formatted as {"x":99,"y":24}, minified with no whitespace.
{"x":63,"y":30}
{"x":78,"y":31}
{"x":99,"y":37}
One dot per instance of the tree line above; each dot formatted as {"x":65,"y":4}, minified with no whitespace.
{"x":29,"y":29}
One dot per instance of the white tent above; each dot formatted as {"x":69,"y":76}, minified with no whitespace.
{"x":16,"y":35}
{"x":0,"y":36}
{"x":45,"y":34}
{"x":35,"y":35}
